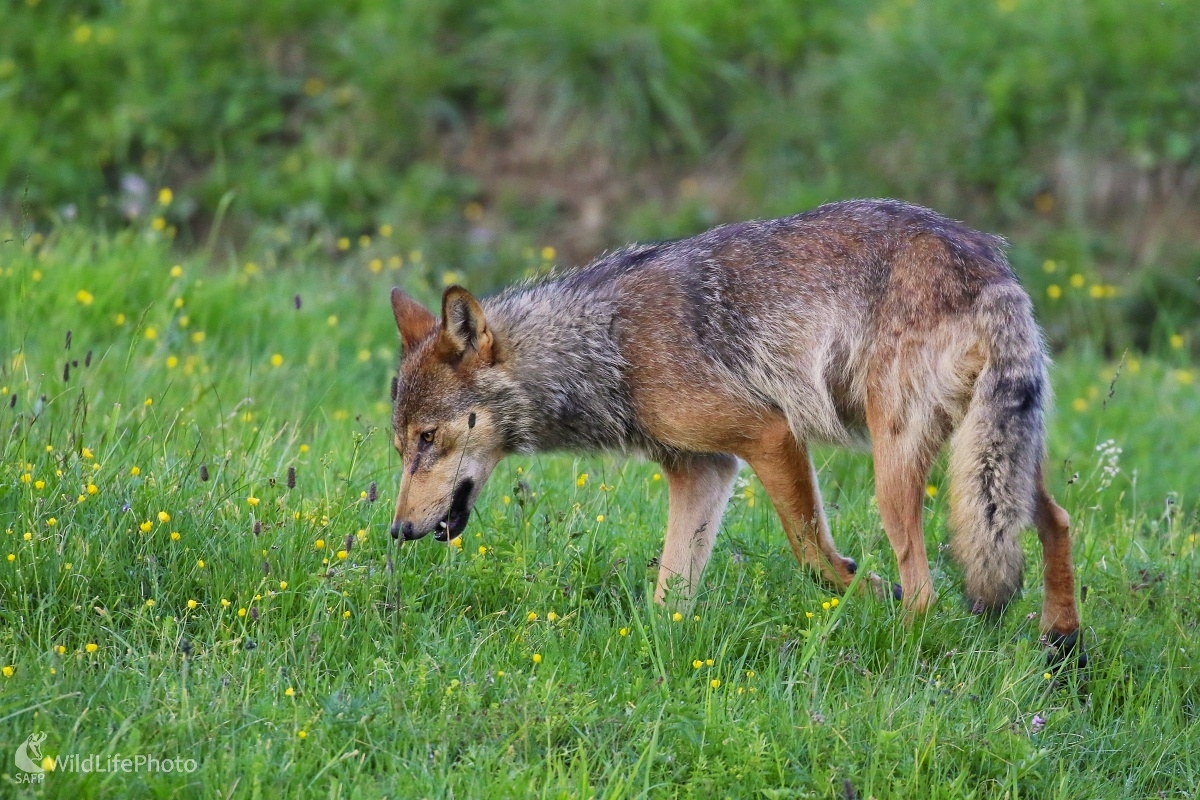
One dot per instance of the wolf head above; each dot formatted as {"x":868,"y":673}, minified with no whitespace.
{"x":447,"y":438}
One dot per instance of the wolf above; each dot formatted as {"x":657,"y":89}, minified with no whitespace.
{"x":873,"y":323}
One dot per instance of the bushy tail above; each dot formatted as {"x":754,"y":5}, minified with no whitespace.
{"x":996,"y":449}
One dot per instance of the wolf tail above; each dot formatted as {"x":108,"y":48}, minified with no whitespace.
{"x":997,"y":449}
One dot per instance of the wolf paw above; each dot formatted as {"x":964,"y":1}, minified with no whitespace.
{"x":884,"y":589}
{"x":1061,"y":647}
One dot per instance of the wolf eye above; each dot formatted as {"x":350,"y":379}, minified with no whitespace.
{"x":427,"y":436}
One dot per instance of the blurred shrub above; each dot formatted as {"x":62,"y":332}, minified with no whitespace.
{"x":330,"y":118}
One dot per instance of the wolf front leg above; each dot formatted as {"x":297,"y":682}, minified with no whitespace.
{"x":699,"y":486}
{"x":783,"y":465}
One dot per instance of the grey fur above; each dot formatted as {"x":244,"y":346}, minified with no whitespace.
{"x":997,"y":448}
{"x":564,"y":385}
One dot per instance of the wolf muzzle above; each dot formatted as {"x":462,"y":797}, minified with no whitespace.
{"x":448,"y":527}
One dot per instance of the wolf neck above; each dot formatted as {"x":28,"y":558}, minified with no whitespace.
{"x":561,"y":381}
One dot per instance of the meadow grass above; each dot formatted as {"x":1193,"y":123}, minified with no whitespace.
{"x":165,"y":590}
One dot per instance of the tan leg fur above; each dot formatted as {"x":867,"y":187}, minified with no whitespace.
{"x":699,"y":488}
{"x":1059,"y":614}
{"x":785,"y":469}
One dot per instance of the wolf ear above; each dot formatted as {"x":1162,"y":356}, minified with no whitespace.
{"x":413,"y":319}
{"x":465,"y":333}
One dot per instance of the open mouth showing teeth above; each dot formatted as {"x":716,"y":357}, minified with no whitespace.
{"x":455,"y":521}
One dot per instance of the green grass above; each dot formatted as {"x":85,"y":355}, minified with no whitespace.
{"x":412,"y":669}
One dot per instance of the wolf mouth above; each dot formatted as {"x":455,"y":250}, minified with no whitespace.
{"x":455,"y":521}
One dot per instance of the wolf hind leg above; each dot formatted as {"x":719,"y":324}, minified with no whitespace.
{"x":903,"y":447}
{"x":1060,"y":616}
{"x":785,"y":469}
{"x":699,"y":486}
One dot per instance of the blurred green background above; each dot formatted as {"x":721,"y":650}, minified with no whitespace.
{"x":479,"y":133}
